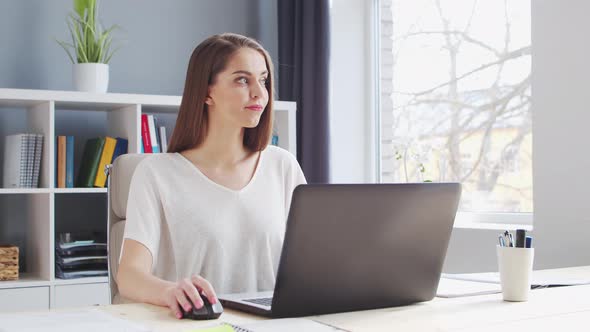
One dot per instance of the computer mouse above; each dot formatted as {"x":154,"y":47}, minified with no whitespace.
{"x":207,"y":311}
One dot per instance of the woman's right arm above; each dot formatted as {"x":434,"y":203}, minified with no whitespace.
{"x":137,"y":283}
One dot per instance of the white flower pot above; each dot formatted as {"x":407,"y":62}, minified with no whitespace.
{"x":91,"y":77}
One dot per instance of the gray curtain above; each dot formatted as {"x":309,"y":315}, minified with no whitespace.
{"x":304,"y":51}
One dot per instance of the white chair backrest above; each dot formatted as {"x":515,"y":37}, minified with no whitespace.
{"x":120,"y":174}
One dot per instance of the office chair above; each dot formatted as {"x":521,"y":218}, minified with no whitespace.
{"x":119,"y":179}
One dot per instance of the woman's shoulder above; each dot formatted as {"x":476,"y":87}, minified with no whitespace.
{"x":158,"y":162}
{"x":275,"y":153}
{"x":279,"y":158}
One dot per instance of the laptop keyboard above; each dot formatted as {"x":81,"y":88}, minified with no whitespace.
{"x":265,"y":301}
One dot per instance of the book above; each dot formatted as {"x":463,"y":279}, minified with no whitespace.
{"x":153,"y":134}
{"x":15,"y":159}
{"x":157,"y":131}
{"x":61,"y":161}
{"x":120,"y":148}
{"x":38,"y":155}
{"x":145,"y":134}
{"x":89,"y":164}
{"x":69,"y":161}
{"x":163,"y":139}
{"x":100,"y":178}
{"x":31,"y":138}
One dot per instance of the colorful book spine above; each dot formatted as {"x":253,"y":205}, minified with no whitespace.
{"x":69,"y":161}
{"x":153,"y":134}
{"x":107,"y":155}
{"x":61,"y":161}
{"x":120,"y":148}
{"x":145,"y":134}
{"x":89,"y":164}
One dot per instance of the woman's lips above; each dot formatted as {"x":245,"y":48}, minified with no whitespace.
{"x":255,"y":107}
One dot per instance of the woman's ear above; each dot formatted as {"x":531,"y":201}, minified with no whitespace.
{"x":208,"y":99}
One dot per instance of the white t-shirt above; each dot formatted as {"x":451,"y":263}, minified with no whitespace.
{"x":192,"y":225}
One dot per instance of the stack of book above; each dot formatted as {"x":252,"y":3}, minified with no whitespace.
{"x":98,"y":152}
{"x":22,"y":160}
{"x":153,"y":137}
{"x":80,"y":255}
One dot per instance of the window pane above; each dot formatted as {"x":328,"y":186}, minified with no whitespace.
{"x":456,"y":98}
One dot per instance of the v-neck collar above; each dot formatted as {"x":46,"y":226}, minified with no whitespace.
{"x":222,"y":187}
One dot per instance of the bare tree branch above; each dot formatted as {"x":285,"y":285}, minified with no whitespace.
{"x":466,"y":37}
{"x":509,"y":56}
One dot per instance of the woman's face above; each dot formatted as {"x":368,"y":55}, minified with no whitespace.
{"x":238,"y":95}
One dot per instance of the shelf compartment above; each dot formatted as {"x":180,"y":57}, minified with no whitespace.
{"x":80,"y":213}
{"x":29,"y":118}
{"x":25,"y":222}
{"x":89,"y":124}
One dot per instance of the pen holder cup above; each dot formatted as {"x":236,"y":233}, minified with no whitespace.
{"x":516,"y":270}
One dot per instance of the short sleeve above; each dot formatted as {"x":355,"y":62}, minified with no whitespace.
{"x":144,"y":212}
{"x":293,"y":178}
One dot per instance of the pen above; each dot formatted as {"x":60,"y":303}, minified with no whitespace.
{"x":508,"y":238}
{"x":511,"y":239}
{"x":520,"y":238}
{"x":529,"y":242}
{"x":501,"y":240}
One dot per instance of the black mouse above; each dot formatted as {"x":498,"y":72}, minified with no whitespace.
{"x":207,"y":311}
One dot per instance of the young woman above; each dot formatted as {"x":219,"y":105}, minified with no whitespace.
{"x":210,"y":215}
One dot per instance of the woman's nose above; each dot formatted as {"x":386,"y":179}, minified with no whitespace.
{"x":257,"y":90}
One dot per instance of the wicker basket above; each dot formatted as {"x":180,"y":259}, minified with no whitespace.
{"x":8,"y":262}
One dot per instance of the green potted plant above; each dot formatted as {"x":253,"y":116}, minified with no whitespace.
{"x":91,"y":45}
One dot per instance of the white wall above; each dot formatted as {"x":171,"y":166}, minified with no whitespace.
{"x":561,"y":113}
{"x":154,"y":49}
{"x":561,"y":118}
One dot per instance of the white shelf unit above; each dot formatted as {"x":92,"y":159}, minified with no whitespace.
{"x":33,"y":216}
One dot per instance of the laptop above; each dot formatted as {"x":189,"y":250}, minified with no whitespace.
{"x":354,"y":247}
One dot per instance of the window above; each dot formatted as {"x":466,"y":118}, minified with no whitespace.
{"x":455,"y":99}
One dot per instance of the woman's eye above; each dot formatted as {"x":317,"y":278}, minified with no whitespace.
{"x":264,"y":81}
{"x":242,"y":80}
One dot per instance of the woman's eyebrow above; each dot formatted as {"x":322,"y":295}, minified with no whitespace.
{"x":245,"y":72}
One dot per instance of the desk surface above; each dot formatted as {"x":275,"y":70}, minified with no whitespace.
{"x":557,"y":308}
{"x":549,"y":309}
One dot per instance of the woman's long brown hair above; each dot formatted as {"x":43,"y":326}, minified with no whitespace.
{"x":209,"y":59}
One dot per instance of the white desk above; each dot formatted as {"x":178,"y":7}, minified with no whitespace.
{"x":551,"y":309}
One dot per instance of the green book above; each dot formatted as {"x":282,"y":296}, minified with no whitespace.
{"x":90,"y":161}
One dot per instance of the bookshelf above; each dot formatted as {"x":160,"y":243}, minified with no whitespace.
{"x":31,"y":217}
